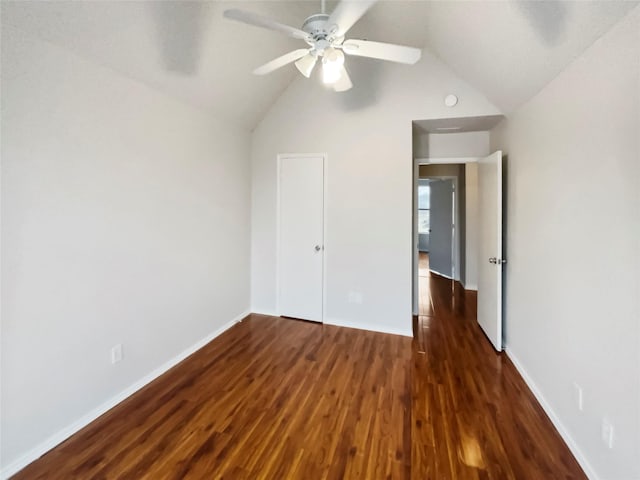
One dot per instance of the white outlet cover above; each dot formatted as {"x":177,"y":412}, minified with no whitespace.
{"x":579,"y":396}
{"x":607,"y":433}
{"x":116,"y":353}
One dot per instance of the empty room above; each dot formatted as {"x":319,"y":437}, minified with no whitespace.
{"x":311,"y":239}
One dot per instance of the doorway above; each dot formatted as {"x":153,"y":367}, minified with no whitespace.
{"x":442,"y":228}
{"x":488,"y":253}
{"x":441,"y":215}
{"x":478,"y":258}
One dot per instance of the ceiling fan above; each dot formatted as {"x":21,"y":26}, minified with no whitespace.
{"x":325,"y":35}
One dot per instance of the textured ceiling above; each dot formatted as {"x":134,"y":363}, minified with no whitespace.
{"x":188,"y":50}
{"x":510,"y":50}
{"x":507,"y":50}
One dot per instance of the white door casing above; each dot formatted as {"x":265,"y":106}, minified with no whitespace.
{"x":490,"y":247}
{"x":300,"y":249}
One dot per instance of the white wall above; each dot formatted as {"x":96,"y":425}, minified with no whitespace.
{"x":367,"y":134}
{"x":448,"y":145}
{"x":420,"y":142}
{"x":573,"y":247}
{"x":125,"y":219}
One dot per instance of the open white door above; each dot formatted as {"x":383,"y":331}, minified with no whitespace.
{"x":300,"y":236}
{"x":441,"y":235}
{"x":490,"y":247}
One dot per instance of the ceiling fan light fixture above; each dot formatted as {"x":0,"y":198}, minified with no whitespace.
{"x":325,"y":35}
{"x":305,"y":64}
{"x":344,"y":82}
{"x":332,"y":63}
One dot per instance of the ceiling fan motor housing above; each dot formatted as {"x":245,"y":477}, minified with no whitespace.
{"x":317,"y":27}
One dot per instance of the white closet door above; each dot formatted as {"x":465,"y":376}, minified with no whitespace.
{"x":300,"y":237}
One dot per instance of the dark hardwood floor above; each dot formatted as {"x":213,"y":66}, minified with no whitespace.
{"x":274,"y":398}
{"x":473,"y":417}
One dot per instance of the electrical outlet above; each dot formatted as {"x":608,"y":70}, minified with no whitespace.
{"x":579,"y":396}
{"x":116,"y":353}
{"x":607,"y":433}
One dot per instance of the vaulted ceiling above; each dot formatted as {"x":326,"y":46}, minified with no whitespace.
{"x":507,"y":50}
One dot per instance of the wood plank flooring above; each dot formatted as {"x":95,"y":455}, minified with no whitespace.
{"x":275,"y":398}
{"x":473,"y":417}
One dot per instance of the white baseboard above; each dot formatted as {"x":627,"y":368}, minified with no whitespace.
{"x":371,"y":327}
{"x":60,"y":436}
{"x":562,"y":430}
{"x":264,"y":312}
{"x":449,"y":277}
{"x":359,"y":326}
{"x":469,"y":286}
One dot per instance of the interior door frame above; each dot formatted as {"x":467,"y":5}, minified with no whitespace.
{"x":417,"y":161}
{"x":325,"y":170}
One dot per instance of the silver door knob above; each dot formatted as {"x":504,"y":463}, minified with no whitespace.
{"x":493,"y":260}
{"x":317,"y":248}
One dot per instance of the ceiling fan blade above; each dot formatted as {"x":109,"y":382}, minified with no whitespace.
{"x":264,"y":22}
{"x":347,"y":13}
{"x":382,"y":51}
{"x":306,"y":64}
{"x":344,"y":82}
{"x":280,"y":61}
